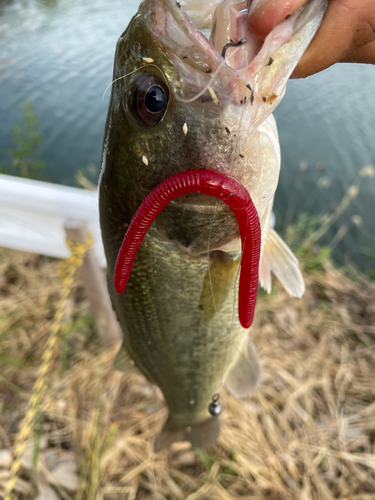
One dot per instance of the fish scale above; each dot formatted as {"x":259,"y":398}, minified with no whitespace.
{"x":178,"y":312}
{"x":194,"y":336}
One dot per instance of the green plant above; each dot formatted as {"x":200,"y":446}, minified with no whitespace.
{"x":305,"y":235}
{"x":24,"y":154}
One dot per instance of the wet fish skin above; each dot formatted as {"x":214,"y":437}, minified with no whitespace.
{"x":171,"y":328}
{"x":167,"y":149}
{"x":178,"y":335}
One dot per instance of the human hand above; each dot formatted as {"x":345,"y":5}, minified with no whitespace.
{"x":347,"y":32}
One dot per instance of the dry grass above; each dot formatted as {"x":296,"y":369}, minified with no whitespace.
{"x":308,"y":433}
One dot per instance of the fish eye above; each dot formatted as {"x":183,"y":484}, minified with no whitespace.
{"x":155,"y":99}
{"x":150,"y":100}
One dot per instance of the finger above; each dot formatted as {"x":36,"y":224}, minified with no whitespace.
{"x":345,"y":28}
{"x":364,"y":54}
{"x":267,"y":15}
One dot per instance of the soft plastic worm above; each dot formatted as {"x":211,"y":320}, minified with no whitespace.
{"x":211,"y":183}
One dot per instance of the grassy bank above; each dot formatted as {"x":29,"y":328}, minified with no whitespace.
{"x":308,"y":433}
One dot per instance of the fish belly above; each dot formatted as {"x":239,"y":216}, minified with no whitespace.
{"x":179,"y":318}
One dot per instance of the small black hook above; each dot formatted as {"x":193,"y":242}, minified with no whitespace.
{"x":232,"y":44}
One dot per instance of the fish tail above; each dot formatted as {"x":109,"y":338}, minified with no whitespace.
{"x":200,"y":435}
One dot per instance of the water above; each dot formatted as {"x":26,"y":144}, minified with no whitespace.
{"x":60,"y":55}
{"x":328,"y":122}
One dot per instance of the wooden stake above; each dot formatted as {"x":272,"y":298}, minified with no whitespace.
{"x":95,"y":286}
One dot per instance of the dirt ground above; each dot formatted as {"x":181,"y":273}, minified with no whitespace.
{"x":307,"y":433}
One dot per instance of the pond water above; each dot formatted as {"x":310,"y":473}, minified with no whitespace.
{"x":59,"y":54}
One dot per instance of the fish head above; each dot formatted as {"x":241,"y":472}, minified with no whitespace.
{"x":185,"y":98}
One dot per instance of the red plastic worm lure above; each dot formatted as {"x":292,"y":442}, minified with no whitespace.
{"x":211,"y":183}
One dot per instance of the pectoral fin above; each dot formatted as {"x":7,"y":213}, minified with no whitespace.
{"x":278,"y":258}
{"x":242,"y":381}
{"x":265,"y":279}
{"x":124,"y":363}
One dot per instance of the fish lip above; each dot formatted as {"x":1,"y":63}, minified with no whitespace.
{"x":154,"y":11}
{"x":193,"y":201}
{"x":208,"y":208}
{"x":181,"y":17}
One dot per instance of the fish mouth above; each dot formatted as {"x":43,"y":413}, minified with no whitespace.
{"x":203,"y":43}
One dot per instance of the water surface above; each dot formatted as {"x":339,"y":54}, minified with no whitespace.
{"x":59,"y":54}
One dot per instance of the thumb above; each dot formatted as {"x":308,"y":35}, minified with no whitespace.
{"x":266,"y":14}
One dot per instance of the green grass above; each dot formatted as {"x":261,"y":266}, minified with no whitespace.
{"x":24,"y":155}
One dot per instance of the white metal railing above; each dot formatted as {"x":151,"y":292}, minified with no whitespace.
{"x":33,"y":215}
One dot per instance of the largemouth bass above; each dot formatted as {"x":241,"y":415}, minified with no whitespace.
{"x":185,"y":102}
